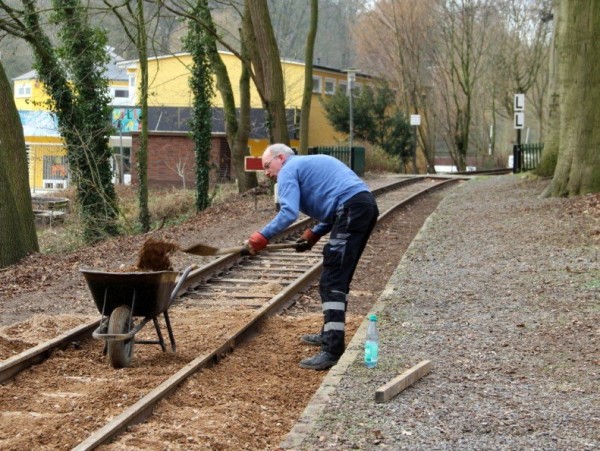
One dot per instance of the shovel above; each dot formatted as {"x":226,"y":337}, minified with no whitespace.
{"x":204,"y":250}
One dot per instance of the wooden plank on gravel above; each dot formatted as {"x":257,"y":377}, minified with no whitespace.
{"x":406,"y":379}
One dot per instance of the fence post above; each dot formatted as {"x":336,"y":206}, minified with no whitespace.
{"x":516,"y":158}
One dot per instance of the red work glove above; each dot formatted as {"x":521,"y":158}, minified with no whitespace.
{"x":306,"y":241}
{"x":256,"y":243}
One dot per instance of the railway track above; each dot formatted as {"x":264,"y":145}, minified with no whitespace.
{"x":231,"y":291}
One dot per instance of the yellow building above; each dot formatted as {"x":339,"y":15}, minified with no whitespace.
{"x":170,"y":109}
{"x":169,"y":89}
{"x":48,"y":166}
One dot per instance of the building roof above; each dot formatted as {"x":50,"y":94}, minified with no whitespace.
{"x":27,"y":75}
{"x":126,"y":63}
{"x":113,"y":70}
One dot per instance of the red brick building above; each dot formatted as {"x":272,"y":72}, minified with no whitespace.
{"x":171,"y":160}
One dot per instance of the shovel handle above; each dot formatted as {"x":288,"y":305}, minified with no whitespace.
{"x":270,"y":247}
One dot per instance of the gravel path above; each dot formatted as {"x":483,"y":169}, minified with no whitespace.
{"x":500,"y":292}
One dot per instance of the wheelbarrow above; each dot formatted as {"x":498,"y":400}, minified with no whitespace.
{"x":123,"y":298}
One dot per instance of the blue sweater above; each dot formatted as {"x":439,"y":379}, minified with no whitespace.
{"x":315,"y":185}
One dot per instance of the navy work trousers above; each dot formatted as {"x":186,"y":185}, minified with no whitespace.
{"x":353,"y":224}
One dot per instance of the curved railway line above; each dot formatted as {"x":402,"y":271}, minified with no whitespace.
{"x":230,"y":297}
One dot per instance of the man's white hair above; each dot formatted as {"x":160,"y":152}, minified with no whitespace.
{"x":279,"y":149}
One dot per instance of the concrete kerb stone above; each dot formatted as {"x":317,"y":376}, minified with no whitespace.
{"x":308,"y":420}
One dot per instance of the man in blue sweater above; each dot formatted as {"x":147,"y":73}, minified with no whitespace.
{"x":325,"y":189}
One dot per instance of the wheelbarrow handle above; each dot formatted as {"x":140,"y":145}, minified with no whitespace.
{"x":182,"y":279}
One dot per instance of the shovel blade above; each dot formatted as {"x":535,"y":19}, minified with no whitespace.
{"x":201,"y":249}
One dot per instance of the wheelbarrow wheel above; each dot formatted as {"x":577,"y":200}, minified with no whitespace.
{"x":120,"y":351}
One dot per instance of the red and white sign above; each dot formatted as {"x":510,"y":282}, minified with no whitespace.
{"x":253,"y":164}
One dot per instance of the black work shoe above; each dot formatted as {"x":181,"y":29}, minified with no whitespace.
{"x":321,"y":361}
{"x":312,"y":339}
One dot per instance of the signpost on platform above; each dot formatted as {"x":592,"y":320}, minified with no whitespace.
{"x":519,"y":111}
{"x":415,"y":121}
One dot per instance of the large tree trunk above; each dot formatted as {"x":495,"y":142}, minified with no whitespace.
{"x":308,"y":69}
{"x":17,"y":226}
{"x":578,"y":166}
{"x":267,"y":64}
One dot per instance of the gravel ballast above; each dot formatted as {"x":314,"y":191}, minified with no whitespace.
{"x":499,"y":290}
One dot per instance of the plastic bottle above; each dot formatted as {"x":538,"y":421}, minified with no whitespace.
{"x":372,"y":343}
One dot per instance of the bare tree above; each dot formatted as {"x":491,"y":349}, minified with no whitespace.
{"x":459,"y":61}
{"x":308,"y":71}
{"x":520,"y":52}
{"x":132,"y":17}
{"x":395,"y":43}
{"x":264,"y":54}
{"x":180,"y":167}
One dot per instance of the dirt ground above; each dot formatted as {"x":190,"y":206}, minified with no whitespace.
{"x":251,"y":399}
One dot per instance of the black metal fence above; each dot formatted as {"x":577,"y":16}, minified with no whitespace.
{"x":526,"y":157}
{"x":354,"y":159}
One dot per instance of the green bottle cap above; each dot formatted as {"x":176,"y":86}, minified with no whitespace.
{"x":372,"y":317}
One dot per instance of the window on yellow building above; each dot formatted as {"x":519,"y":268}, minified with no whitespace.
{"x":317,"y":84}
{"x":330,"y":86}
{"x":23,"y":90}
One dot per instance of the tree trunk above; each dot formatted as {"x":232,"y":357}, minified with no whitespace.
{"x":236,"y":129}
{"x":17,"y":227}
{"x":268,"y":71}
{"x":199,"y":43}
{"x":239,"y":150}
{"x":578,"y":166}
{"x":547,"y":163}
{"x":308,"y":69}
{"x":142,"y":152}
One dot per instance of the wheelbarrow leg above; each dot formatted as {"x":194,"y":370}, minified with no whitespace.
{"x":171,"y":336}
{"x":161,"y":341}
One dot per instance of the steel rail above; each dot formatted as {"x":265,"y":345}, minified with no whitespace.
{"x":20,"y":362}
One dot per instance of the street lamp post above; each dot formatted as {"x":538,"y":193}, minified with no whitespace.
{"x":351,"y":79}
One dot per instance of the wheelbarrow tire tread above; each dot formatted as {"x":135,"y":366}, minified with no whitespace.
{"x":120,"y":352}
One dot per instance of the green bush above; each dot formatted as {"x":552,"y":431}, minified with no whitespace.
{"x":376,"y":160}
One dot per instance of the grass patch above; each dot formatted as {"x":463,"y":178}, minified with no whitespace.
{"x":376,"y":160}
{"x":593,"y":284}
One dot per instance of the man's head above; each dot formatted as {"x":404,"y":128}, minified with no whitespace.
{"x":273,"y":158}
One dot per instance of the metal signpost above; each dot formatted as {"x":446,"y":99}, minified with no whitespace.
{"x":519,"y":110}
{"x":415,"y":121}
{"x":519,"y":123}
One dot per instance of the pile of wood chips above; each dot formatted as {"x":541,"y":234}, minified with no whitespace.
{"x":154,"y":255}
